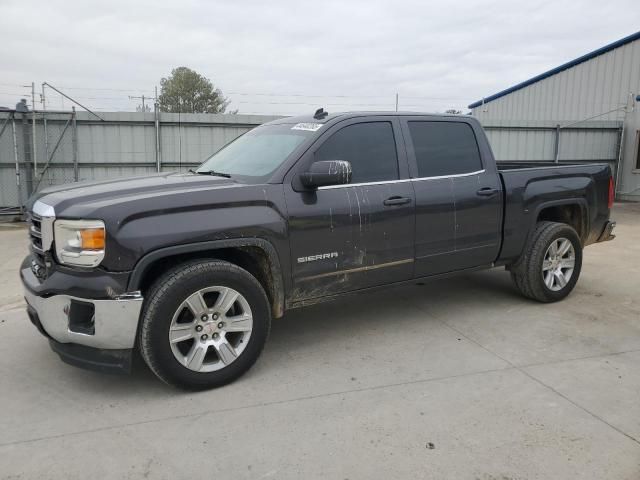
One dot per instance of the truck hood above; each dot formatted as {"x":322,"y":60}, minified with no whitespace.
{"x":143,"y":214}
{"x":84,"y":199}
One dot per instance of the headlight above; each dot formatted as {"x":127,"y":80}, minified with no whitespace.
{"x":79,"y":242}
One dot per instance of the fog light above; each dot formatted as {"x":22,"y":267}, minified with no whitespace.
{"x":81,"y":317}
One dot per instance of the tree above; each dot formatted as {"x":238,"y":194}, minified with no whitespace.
{"x":454,"y":111}
{"x":186,"y":91}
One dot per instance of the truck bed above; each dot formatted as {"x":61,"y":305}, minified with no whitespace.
{"x":530,"y":187}
{"x":519,"y":165}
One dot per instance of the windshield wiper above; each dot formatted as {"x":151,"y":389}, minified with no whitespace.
{"x":212,"y":173}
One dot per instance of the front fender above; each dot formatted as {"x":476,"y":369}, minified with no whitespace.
{"x":147,"y":261}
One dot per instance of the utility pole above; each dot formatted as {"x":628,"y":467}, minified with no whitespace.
{"x":15,"y":156}
{"x":33,"y":129}
{"x":74,"y":142}
{"x":28,"y":153}
{"x":156,"y":112}
{"x":43,"y":100}
{"x":396,"y":102}
{"x":144,"y":109}
{"x":556,"y":145}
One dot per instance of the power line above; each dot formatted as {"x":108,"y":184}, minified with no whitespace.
{"x":436,"y":98}
{"x":140,"y":90}
{"x":339,"y":96}
{"x":137,"y":90}
{"x":13,"y":85}
{"x":106,"y":98}
{"x":295,"y":102}
{"x":248,"y":94}
{"x":318,"y":103}
{"x":13,"y":93}
{"x":257,"y":94}
{"x":302,"y":95}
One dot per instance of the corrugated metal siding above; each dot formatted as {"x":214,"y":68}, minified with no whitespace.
{"x":598,"y":85}
{"x":588,"y":89}
{"x":516,"y":144}
{"x":594,"y":141}
{"x":123,"y":145}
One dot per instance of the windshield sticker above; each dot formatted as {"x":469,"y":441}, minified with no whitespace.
{"x":310,"y":127}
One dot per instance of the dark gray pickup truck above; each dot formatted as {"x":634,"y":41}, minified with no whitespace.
{"x":190,"y":268}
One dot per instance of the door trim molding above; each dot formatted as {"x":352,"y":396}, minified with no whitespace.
{"x":364,"y":184}
{"x":357,"y":269}
{"x":457,"y":175}
{"x":403,"y":180}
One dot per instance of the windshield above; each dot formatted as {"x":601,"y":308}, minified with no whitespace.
{"x":257,"y":153}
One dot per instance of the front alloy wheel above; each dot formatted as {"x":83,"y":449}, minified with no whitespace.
{"x":210,"y":329}
{"x":204,"y":324}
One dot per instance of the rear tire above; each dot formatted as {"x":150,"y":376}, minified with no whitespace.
{"x":204,"y":324}
{"x":550,"y":265}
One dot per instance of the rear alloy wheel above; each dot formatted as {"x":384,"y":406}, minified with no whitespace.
{"x":204,"y":324}
{"x":550,"y":265}
{"x":559,"y":262}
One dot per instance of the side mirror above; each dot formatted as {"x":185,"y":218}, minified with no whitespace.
{"x":326,"y":172}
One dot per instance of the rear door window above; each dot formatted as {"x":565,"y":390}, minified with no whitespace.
{"x":444,"y":148}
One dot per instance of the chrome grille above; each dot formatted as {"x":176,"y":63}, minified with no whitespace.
{"x":38,"y":262}
{"x":35,"y":234}
{"x":41,"y":220}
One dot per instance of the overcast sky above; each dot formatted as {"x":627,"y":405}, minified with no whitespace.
{"x":286,"y":57}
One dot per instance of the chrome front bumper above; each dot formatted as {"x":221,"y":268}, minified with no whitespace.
{"x":114,"y":322}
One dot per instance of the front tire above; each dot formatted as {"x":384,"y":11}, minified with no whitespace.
{"x":204,"y":324}
{"x":551,"y":263}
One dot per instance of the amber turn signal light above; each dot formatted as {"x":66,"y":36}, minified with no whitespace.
{"x":92,"y":239}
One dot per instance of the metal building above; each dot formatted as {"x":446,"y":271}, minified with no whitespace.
{"x":596,"y":92}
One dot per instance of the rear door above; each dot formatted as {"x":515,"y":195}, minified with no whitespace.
{"x":348,"y":237}
{"x":458,"y":197}
{"x":478,"y":196}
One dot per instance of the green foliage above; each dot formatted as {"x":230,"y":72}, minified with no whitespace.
{"x":186,"y":91}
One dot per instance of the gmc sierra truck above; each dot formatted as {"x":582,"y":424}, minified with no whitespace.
{"x":190,"y":268}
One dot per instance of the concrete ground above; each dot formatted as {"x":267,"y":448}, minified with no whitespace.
{"x":459,"y":378}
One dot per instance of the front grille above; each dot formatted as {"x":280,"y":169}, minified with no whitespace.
{"x":35,"y":236}
{"x":35,"y":232}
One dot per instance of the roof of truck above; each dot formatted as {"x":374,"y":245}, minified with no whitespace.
{"x":333,"y":116}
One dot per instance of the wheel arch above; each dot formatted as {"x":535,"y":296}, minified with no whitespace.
{"x":573,"y":212}
{"x":256,"y":255}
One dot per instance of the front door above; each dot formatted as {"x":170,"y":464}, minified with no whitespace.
{"x":359,"y":235}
